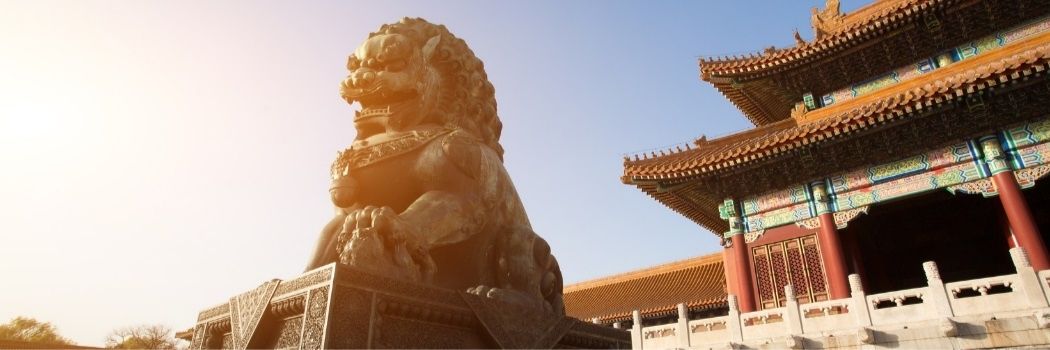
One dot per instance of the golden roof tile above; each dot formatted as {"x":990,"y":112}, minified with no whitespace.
{"x":698,"y":282}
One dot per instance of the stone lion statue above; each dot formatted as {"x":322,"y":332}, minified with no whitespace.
{"x":422,"y":193}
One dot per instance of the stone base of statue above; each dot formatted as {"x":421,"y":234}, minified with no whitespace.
{"x":336,"y":306}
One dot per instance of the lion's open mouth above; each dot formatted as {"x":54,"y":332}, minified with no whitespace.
{"x":382,"y":104}
{"x":380,"y":97}
{"x":378,"y":106}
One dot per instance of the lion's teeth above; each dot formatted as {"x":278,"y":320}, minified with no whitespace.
{"x":371,"y":112}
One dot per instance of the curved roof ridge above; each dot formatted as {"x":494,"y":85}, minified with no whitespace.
{"x":852,"y":25}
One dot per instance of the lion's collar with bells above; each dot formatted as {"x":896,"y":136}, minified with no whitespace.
{"x":361,"y":157}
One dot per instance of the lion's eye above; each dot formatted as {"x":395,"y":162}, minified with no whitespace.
{"x":353,"y":63}
{"x":396,"y":65}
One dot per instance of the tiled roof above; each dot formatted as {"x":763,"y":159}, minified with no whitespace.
{"x":696,"y":205}
{"x":666,"y":177}
{"x":656,"y":291}
{"x":762,"y":103}
{"x":987,"y":71}
{"x":871,"y":21}
{"x":746,"y":81}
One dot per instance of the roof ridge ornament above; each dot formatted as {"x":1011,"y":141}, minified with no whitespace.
{"x":798,"y":39}
{"x":826,"y":21}
{"x":799,"y":111}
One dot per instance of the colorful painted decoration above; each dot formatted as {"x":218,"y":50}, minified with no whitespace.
{"x":775,"y":200}
{"x":778,"y":217}
{"x":958,"y":168}
{"x":956,"y":54}
{"x":892,"y":78}
{"x":1027,"y":144}
{"x":808,"y":100}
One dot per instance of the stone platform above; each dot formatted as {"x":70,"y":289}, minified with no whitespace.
{"x":336,"y":306}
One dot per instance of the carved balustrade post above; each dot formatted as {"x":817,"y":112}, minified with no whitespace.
{"x":792,"y":314}
{"x":861,"y":309}
{"x":938,"y":294}
{"x":636,"y":331}
{"x":1031,"y":286}
{"x":683,"y":326}
{"x":859,"y":306}
{"x":733,"y":322}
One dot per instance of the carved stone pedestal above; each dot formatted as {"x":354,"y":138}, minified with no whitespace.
{"x":336,"y":306}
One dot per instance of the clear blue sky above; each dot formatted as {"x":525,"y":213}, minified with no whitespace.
{"x":157,"y":158}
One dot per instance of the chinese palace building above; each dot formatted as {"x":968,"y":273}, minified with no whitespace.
{"x":889,"y":193}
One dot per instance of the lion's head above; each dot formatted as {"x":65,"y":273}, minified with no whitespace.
{"x":414,"y":72}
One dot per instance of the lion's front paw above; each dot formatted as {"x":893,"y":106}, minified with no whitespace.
{"x":381,"y":221}
{"x":378,"y":239}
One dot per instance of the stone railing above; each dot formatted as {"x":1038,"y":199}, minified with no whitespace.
{"x":1044,"y":279}
{"x":827,"y":315}
{"x":985,"y":295}
{"x":664,"y":336}
{"x":900,"y":306}
{"x":956,"y":313}
{"x":763,"y":324}
{"x":709,"y":330}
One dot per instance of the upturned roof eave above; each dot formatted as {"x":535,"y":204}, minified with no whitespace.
{"x":877,"y":16}
{"x":857,"y":28}
{"x":737,"y":149}
{"x":658,"y":176}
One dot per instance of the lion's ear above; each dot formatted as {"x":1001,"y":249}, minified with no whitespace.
{"x":428,"y":49}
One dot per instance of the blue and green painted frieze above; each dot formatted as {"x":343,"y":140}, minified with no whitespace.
{"x":1023,"y":147}
{"x":959,"y":53}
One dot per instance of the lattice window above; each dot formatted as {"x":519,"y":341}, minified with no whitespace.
{"x":780,"y":273}
{"x":815,"y":267}
{"x":762,"y":277}
{"x":795,"y":261}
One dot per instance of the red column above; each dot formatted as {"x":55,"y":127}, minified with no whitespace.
{"x":1004,"y":225}
{"x":729,"y":266}
{"x":834,"y":261}
{"x":852,"y":243}
{"x":742,"y":266}
{"x":830,"y":245}
{"x":1024,"y":228}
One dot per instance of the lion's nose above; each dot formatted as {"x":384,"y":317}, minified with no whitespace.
{"x":363,"y":78}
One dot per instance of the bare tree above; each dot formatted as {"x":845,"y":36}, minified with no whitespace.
{"x":30,"y":330}
{"x":142,"y":337}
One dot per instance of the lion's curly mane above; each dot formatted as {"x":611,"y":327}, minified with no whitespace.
{"x":468,"y":99}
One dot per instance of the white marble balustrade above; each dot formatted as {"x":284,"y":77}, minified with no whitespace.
{"x":948,"y":310}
